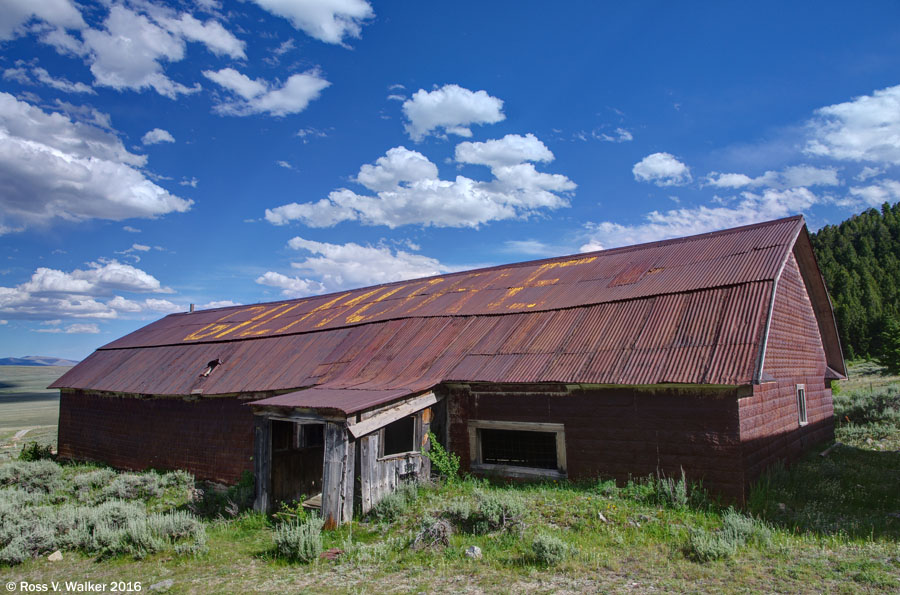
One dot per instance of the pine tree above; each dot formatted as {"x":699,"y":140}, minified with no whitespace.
{"x":860,"y":260}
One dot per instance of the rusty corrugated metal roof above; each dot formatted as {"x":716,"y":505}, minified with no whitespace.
{"x":690,"y":310}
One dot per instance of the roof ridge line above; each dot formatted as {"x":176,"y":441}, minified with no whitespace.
{"x":527,"y":263}
{"x":429,"y":316}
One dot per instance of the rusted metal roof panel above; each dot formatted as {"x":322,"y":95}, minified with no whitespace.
{"x":723,"y":258}
{"x":682,"y":311}
{"x":343,"y":400}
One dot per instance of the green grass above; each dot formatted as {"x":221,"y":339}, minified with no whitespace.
{"x":826,"y":524}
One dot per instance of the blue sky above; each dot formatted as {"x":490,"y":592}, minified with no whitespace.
{"x":157,"y":154}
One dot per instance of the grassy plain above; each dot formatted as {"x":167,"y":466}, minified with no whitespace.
{"x":27,"y":404}
{"x":826,"y":524}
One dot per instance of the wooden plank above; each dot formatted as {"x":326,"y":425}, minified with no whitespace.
{"x":368,"y":454}
{"x":332,"y":488}
{"x":392,"y":414}
{"x":517,"y":425}
{"x":347,"y":482}
{"x":262,"y":462}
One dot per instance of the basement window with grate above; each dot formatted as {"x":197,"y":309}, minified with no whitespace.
{"x":518,"y":449}
{"x":801,"y":404}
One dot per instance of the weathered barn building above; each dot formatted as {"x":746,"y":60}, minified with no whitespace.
{"x":712,"y":353}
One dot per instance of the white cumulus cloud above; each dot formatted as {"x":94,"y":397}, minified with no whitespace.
{"x":621,"y":135}
{"x":451,"y":108}
{"x":290,"y":286}
{"x":663,"y":169}
{"x":77,"y":328}
{"x":409,"y":191}
{"x":326,"y":20}
{"x":866,"y":128}
{"x":238,"y":83}
{"x":509,"y":150}
{"x":874,"y":195}
{"x":52,"y":294}
{"x":59,"y":13}
{"x":340,"y":266}
{"x":751,"y":208}
{"x":218,"y":304}
{"x":129,"y":53}
{"x":37,"y":75}
{"x":397,"y":166}
{"x":255,"y":96}
{"x":212,"y":34}
{"x":100,"y":278}
{"x":790,"y":177}
{"x":53,"y":167}
{"x":156,"y":136}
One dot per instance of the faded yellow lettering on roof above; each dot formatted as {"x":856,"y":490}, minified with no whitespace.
{"x":358,"y":317}
{"x":361,"y":297}
{"x":461,"y":301}
{"x":348,"y":304}
{"x":252,"y":333}
{"x":468,"y":292}
{"x":437,"y":294}
{"x":324,"y":306}
{"x":217,"y":326}
{"x":208,"y":330}
{"x":265,"y":312}
{"x":413,"y":294}
{"x":509,"y":293}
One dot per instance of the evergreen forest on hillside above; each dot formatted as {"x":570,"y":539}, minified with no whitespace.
{"x":860,"y":260}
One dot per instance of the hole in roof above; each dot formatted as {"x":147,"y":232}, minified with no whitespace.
{"x":210,"y":367}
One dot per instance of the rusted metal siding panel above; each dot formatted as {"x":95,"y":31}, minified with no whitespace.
{"x":794,"y":346}
{"x":770,"y":428}
{"x":623,"y":433}
{"x":162,"y":433}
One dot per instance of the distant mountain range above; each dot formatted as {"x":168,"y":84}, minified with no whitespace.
{"x":36,"y":360}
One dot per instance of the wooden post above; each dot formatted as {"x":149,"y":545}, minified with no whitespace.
{"x":337,"y":477}
{"x":262,"y":462}
{"x":349,"y":481}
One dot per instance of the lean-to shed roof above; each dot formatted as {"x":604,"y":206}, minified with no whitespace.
{"x":690,"y":311}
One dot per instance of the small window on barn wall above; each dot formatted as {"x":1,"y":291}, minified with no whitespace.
{"x":309,"y":435}
{"x":399,"y":437}
{"x":801,"y":403}
{"x":288,"y":435}
{"x":518,"y":448}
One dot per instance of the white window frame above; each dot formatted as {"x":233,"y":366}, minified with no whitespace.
{"x":475,"y":458}
{"x":802,"y":403}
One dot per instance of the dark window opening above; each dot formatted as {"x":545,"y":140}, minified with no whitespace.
{"x":287,"y":435}
{"x":282,"y":435}
{"x":309,"y":435}
{"x":399,"y":436}
{"x":518,"y":448}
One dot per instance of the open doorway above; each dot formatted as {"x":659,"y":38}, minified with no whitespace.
{"x":298,"y":452}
